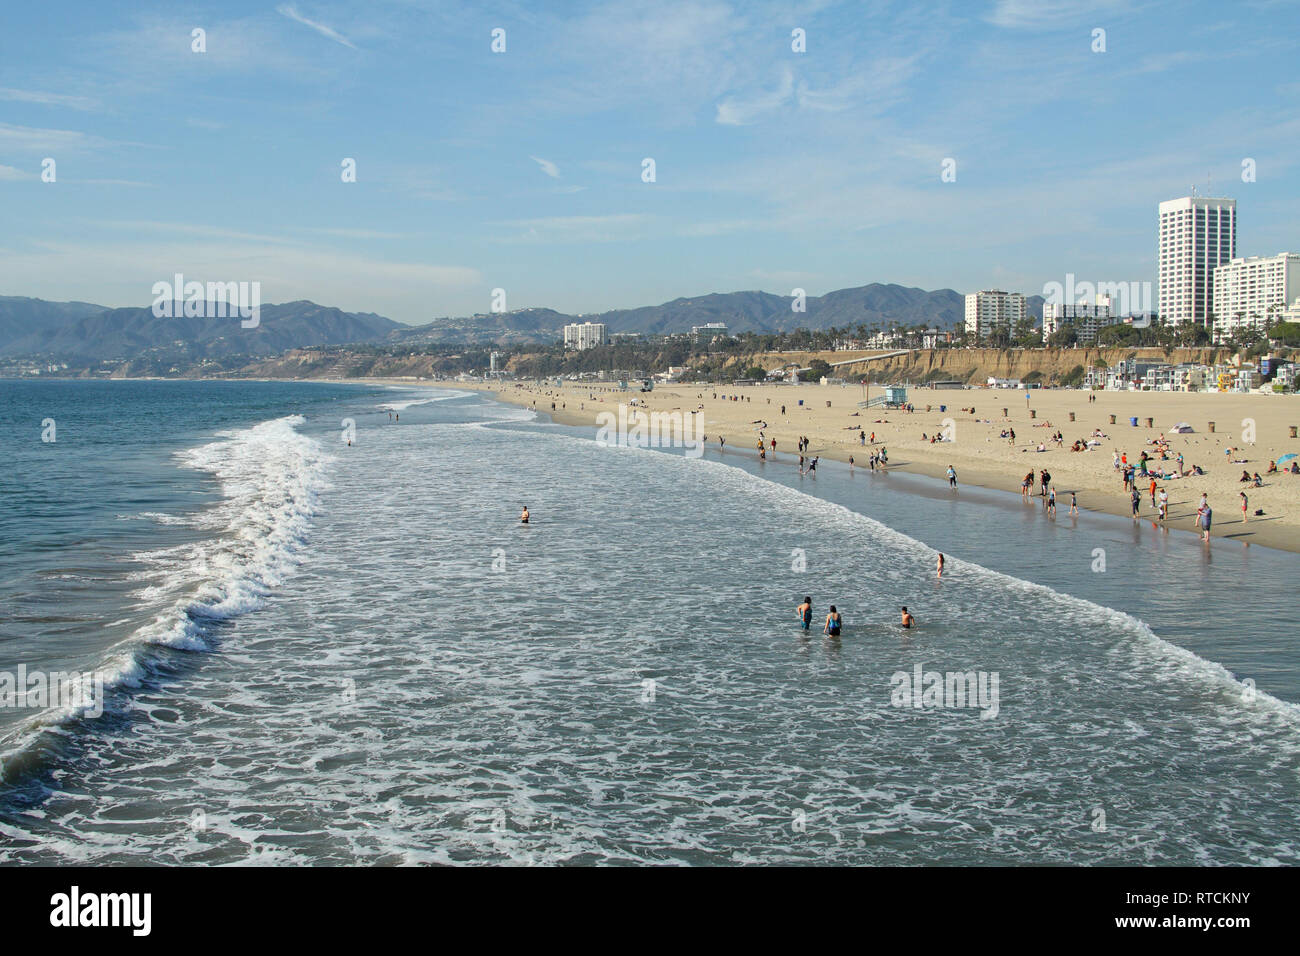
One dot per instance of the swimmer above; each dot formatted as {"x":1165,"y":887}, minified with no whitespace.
{"x":908,"y":620}
{"x":523,"y":515}
{"x":833,"y":623}
{"x":939,"y":568}
{"x":804,"y":613}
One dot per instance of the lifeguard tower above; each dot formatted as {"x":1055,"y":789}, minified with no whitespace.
{"x":895,"y":397}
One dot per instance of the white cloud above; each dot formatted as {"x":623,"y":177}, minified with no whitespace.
{"x":48,"y":99}
{"x":10,"y":174}
{"x":290,"y":11}
{"x":1052,"y":14}
{"x":739,"y":112}
{"x":619,"y":227}
{"x":33,"y":139}
{"x":548,"y":167}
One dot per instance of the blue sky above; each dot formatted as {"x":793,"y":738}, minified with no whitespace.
{"x":522,"y":170}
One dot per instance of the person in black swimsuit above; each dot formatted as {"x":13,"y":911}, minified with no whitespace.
{"x":833,"y":622}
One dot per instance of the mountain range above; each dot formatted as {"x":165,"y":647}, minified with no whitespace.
{"x":79,"y":331}
{"x":82,"y":331}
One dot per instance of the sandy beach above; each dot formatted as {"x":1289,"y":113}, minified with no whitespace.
{"x":830,"y":418}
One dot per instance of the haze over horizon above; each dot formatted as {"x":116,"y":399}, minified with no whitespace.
{"x":522,"y":169}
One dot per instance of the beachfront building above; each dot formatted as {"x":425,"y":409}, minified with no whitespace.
{"x":1285,"y":375}
{"x":1254,"y":292}
{"x":932,"y":338}
{"x":1128,"y":375}
{"x":709,"y":331}
{"x":1087,"y":319}
{"x":584,"y":335}
{"x":993,"y":309}
{"x":1195,"y":234}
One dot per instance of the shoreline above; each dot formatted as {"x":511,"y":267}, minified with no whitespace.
{"x":1278,"y":529}
{"x":1269,"y":531}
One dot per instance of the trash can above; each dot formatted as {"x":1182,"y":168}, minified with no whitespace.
{"x":1071,"y":416}
{"x":801,"y":401}
{"x":943,"y":408}
{"x":1133,"y":421}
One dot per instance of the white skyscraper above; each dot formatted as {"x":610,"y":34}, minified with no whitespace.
{"x":1254,"y":292}
{"x":992,"y":309}
{"x":1196,"y":233}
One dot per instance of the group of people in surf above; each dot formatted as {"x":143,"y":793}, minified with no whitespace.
{"x":834,"y":622}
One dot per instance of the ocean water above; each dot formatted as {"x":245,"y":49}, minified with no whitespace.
{"x":317,"y":653}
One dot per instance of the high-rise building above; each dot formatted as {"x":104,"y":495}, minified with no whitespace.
{"x":709,"y":331}
{"x":584,"y":335}
{"x":992,"y":309}
{"x":1254,"y":292}
{"x":1196,"y":234}
{"x":1087,"y":319}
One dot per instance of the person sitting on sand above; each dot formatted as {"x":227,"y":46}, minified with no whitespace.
{"x":1295,"y":468}
{"x":1258,"y":481}
{"x":1245,"y":475}
{"x":1272,"y":468}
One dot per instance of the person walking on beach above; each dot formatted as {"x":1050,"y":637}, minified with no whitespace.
{"x":1136,"y":499}
{"x":1051,"y":502}
{"x":908,"y":620}
{"x":938,"y":571}
{"x":1026,"y":484}
{"x":862,"y":437}
{"x":1206,"y":516}
{"x":1074,"y":503}
{"x":1011,"y":432}
{"x":1245,"y":503}
{"x":952,"y":477}
{"x":1163,"y":504}
{"x":1153,"y":492}
{"x":804,"y":613}
{"x":801,"y":464}
{"x":833,"y":623}
{"x":812,"y":467}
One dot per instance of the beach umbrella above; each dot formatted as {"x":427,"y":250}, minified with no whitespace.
{"x":1287,"y":457}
